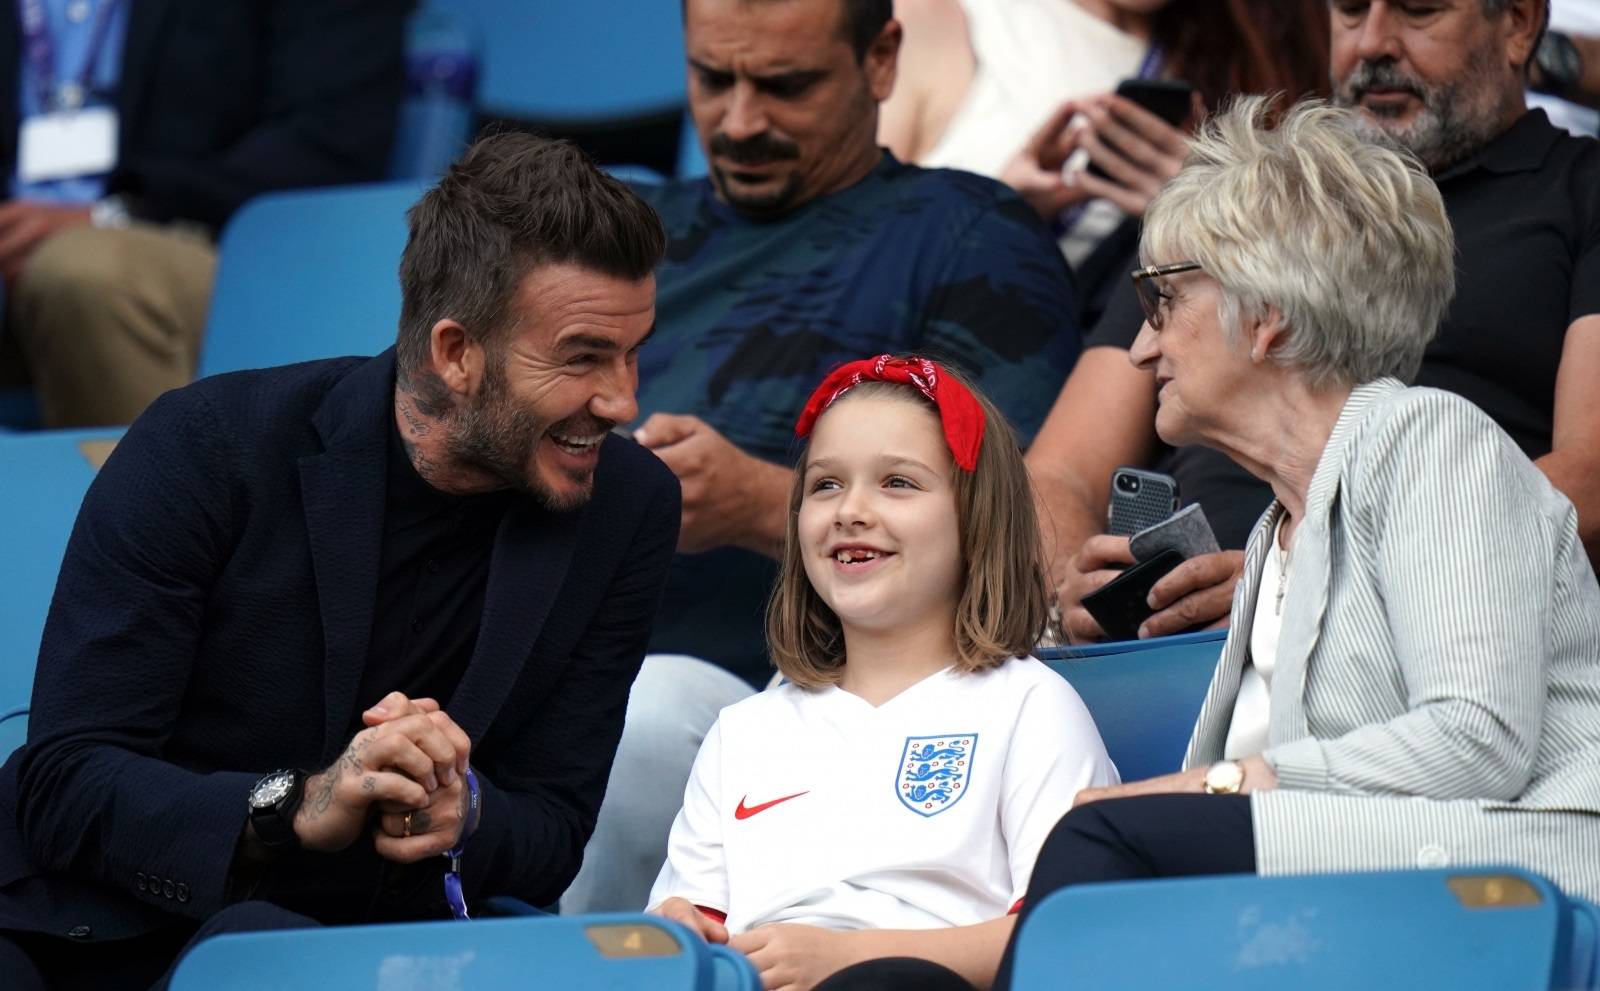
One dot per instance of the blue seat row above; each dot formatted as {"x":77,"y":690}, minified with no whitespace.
{"x":597,"y":951}
{"x":1494,"y":929}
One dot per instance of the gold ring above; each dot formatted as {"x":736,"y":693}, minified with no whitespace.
{"x":405,"y":826}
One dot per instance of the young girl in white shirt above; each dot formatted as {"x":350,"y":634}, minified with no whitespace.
{"x":889,"y":799}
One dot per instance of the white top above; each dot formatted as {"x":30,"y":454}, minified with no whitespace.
{"x":927,"y":811}
{"x":1031,"y":55}
{"x":1252,"y":711}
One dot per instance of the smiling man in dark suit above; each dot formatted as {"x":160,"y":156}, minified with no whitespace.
{"x":319,"y":624}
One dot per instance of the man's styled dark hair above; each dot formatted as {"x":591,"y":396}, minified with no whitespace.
{"x":513,"y":202}
{"x":863,"y":20}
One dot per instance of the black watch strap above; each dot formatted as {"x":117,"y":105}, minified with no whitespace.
{"x":274,"y":823}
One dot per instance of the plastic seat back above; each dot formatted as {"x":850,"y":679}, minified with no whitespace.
{"x":598,"y":951}
{"x":43,"y":477}
{"x":13,"y":732}
{"x":1144,"y":695}
{"x":627,"y":56}
{"x":308,"y":274}
{"x":1584,"y":969}
{"x":1497,"y":929}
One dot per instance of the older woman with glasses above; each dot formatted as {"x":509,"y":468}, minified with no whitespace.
{"x":1412,"y":673}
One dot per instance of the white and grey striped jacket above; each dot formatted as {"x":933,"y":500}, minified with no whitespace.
{"x":1436,"y":699}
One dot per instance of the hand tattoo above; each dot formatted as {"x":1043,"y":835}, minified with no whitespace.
{"x":420,"y":821}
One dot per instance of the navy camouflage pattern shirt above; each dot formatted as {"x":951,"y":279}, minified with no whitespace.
{"x":751,"y":314}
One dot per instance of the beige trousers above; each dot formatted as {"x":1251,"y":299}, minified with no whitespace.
{"x":103,"y":321}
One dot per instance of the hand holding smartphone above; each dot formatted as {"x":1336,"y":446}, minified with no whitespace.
{"x":1143,"y":505}
{"x":1169,"y":99}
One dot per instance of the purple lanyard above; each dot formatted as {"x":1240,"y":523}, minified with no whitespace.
{"x":41,"y":54}
{"x":452,"y":875}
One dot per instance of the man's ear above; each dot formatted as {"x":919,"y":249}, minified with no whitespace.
{"x":882,"y":59}
{"x":455,"y":357}
{"x":1525,"y":20}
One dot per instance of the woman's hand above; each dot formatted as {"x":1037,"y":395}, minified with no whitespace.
{"x":1138,"y":151}
{"x":1095,"y":564}
{"x":1258,"y":776}
{"x":796,"y":958}
{"x":1190,"y":782}
{"x":1035,"y":171}
{"x":683,"y":912}
{"x":1198,"y":592}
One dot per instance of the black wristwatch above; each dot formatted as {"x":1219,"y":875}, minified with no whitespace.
{"x":273,"y":802}
{"x":1560,"y":64}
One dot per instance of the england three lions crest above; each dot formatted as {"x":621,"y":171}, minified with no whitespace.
{"x":934,"y":771}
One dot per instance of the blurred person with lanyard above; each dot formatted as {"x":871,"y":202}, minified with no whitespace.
{"x":132,"y":130}
{"x":1521,"y":338}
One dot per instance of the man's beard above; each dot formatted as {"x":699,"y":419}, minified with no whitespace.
{"x":759,"y":148}
{"x":1454,"y":121}
{"x":494,"y":434}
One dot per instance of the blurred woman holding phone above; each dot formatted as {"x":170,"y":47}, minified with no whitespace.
{"x":1013,"y":88}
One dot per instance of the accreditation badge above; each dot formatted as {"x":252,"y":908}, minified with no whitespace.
{"x":66,"y":144}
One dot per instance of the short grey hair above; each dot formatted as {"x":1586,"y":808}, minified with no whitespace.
{"x":1345,"y":237}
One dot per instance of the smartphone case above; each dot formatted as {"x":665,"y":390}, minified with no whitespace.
{"x":1131,"y":512}
{"x":1187,"y":531}
{"x":1119,"y":606}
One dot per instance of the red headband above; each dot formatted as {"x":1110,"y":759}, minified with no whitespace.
{"x":958,"y":408}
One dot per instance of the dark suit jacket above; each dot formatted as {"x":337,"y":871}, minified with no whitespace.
{"x":211,"y":624}
{"x":224,"y":99}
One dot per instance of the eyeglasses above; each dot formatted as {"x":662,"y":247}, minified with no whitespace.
{"x":1151,"y":299}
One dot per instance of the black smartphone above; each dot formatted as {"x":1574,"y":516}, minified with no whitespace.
{"x":1169,"y":99}
{"x":1139,"y":500}
{"x":1120,"y":605}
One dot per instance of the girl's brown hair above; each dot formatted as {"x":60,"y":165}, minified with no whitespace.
{"x":1004,"y":605}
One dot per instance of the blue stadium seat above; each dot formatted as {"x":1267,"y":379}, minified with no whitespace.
{"x":619,"y":952}
{"x":308,"y":274}
{"x":1144,"y":694}
{"x":43,"y":477}
{"x":1585,"y":970}
{"x":13,"y":731}
{"x":597,"y":60}
{"x":692,"y":162}
{"x":1497,"y":929}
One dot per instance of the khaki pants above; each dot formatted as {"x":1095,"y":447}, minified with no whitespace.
{"x":103,"y":321}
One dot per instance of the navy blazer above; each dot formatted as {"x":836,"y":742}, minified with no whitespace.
{"x":224,"y":99}
{"x":211,"y":624}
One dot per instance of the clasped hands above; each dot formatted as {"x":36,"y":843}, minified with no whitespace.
{"x":788,"y":957}
{"x":409,"y":767}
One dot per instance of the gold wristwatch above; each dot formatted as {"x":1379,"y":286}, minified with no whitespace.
{"x":1225,"y":777}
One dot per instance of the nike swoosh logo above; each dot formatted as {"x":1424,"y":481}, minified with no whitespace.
{"x":745,"y":812}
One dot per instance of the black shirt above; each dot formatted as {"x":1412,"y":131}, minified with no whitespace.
{"x":431,"y":580}
{"x":1526,"y":216}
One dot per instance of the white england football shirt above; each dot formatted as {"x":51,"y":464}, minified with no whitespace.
{"x":817,"y":808}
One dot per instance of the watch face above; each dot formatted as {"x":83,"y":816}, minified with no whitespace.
{"x":1224,"y":778}
{"x":269,"y":791}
